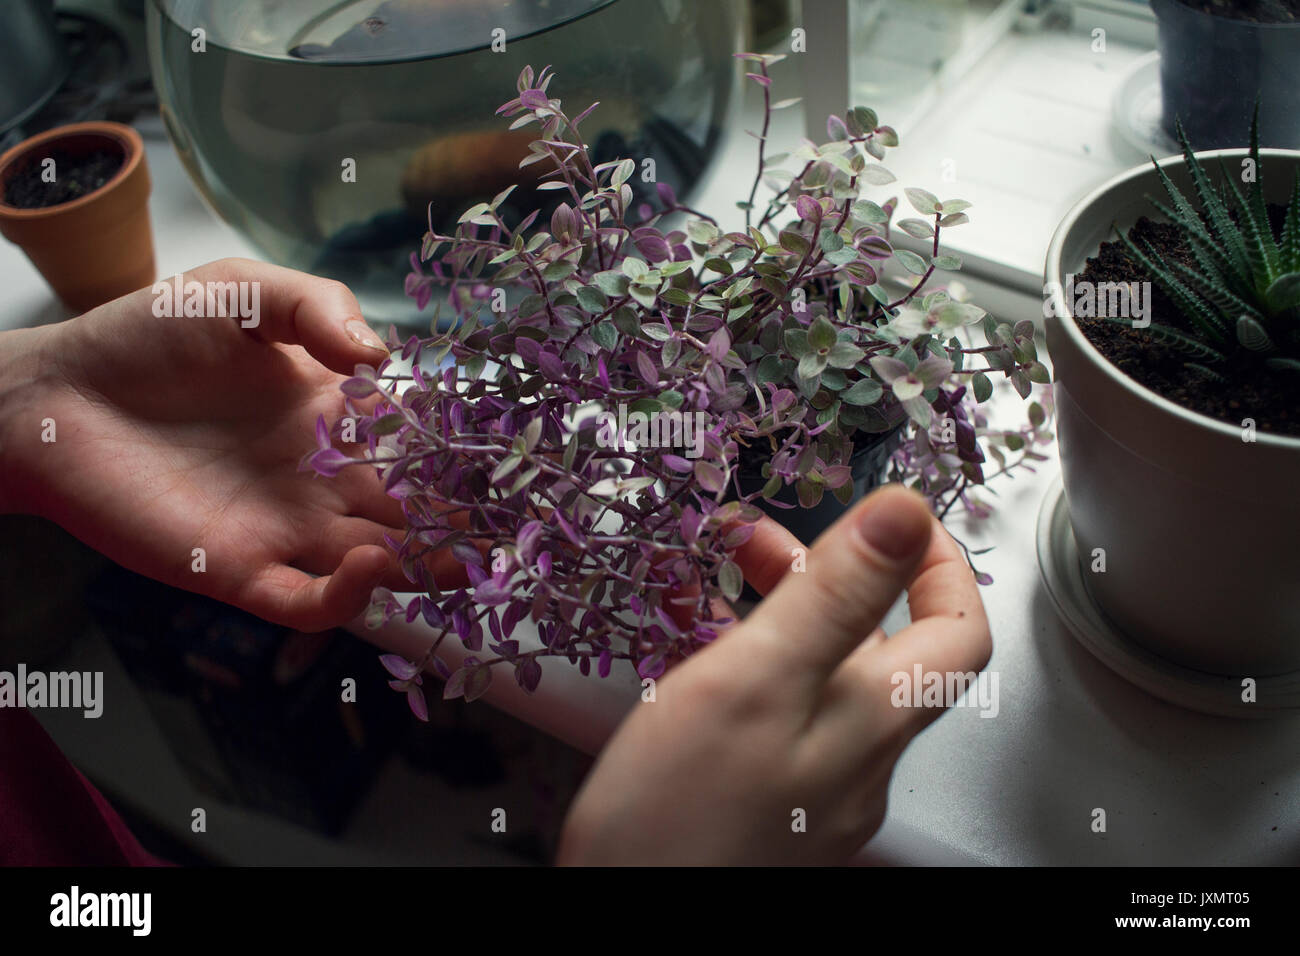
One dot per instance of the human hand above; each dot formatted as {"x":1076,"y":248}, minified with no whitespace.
{"x":790,"y":709}
{"x":181,"y":433}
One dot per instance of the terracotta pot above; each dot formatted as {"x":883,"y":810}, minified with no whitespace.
{"x":99,"y":246}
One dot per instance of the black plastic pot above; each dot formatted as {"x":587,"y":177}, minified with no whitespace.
{"x":1213,"y":68}
{"x":868,"y":468}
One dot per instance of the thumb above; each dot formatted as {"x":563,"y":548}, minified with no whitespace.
{"x":855,"y":571}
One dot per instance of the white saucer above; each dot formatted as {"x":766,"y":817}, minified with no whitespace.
{"x":1058,"y":560}
{"x":1137,"y":111}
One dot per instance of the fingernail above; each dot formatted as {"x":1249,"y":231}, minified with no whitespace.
{"x":364,"y":335}
{"x":896,"y":532}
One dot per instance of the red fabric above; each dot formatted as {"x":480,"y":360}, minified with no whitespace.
{"x":50,"y":815}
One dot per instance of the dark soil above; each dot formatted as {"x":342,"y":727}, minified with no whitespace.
{"x":75,"y":176}
{"x":1252,"y":11}
{"x":1271,"y":398}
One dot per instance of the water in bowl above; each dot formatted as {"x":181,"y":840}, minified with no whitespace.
{"x":324,"y":138}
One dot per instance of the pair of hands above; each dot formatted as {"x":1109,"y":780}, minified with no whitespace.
{"x":181,"y":433}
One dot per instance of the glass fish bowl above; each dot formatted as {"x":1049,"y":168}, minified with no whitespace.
{"x":329,"y":132}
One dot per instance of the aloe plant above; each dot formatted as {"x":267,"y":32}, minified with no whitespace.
{"x":1243,"y":297}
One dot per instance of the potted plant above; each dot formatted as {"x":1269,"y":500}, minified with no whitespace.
{"x":75,"y":198}
{"x":1179,"y":420}
{"x":629,"y":387}
{"x":1217,"y":57}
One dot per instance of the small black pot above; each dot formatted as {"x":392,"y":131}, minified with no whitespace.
{"x":1212,"y":69}
{"x":867,"y":466}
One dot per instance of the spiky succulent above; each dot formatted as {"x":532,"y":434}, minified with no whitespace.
{"x":1243,"y":296}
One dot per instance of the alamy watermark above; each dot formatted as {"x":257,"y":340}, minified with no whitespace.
{"x":662,"y":429}
{"x":946,"y":689}
{"x":1111,"y":300}
{"x":75,"y":908}
{"x":79,"y":690}
{"x":194,"y":299}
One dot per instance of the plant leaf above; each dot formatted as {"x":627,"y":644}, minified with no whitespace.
{"x":821,"y":334}
{"x":864,"y":210}
{"x":1252,"y":335}
{"x":1174,"y":339}
{"x":1284,"y":293}
{"x":1290,"y":250}
{"x":924,"y":202}
{"x":916,"y":228}
{"x":1221,"y":222}
{"x":1188,"y":303}
{"x":810,"y":365}
{"x":1260,"y":250}
{"x":865,"y":391}
{"x":730,"y":580}
{"x":910,"y":261}
{"x":710,"y":477}
{"x":1223,"y":298}
{"x":845,"y":355}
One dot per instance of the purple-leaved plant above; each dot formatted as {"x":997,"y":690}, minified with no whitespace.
{"x":577,"y":436}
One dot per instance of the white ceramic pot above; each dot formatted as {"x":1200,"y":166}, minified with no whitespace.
{"x":1200,"y":528}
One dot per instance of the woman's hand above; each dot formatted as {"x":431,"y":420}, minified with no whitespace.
{"x":179,"y":433}
{"x":787,"y":716}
